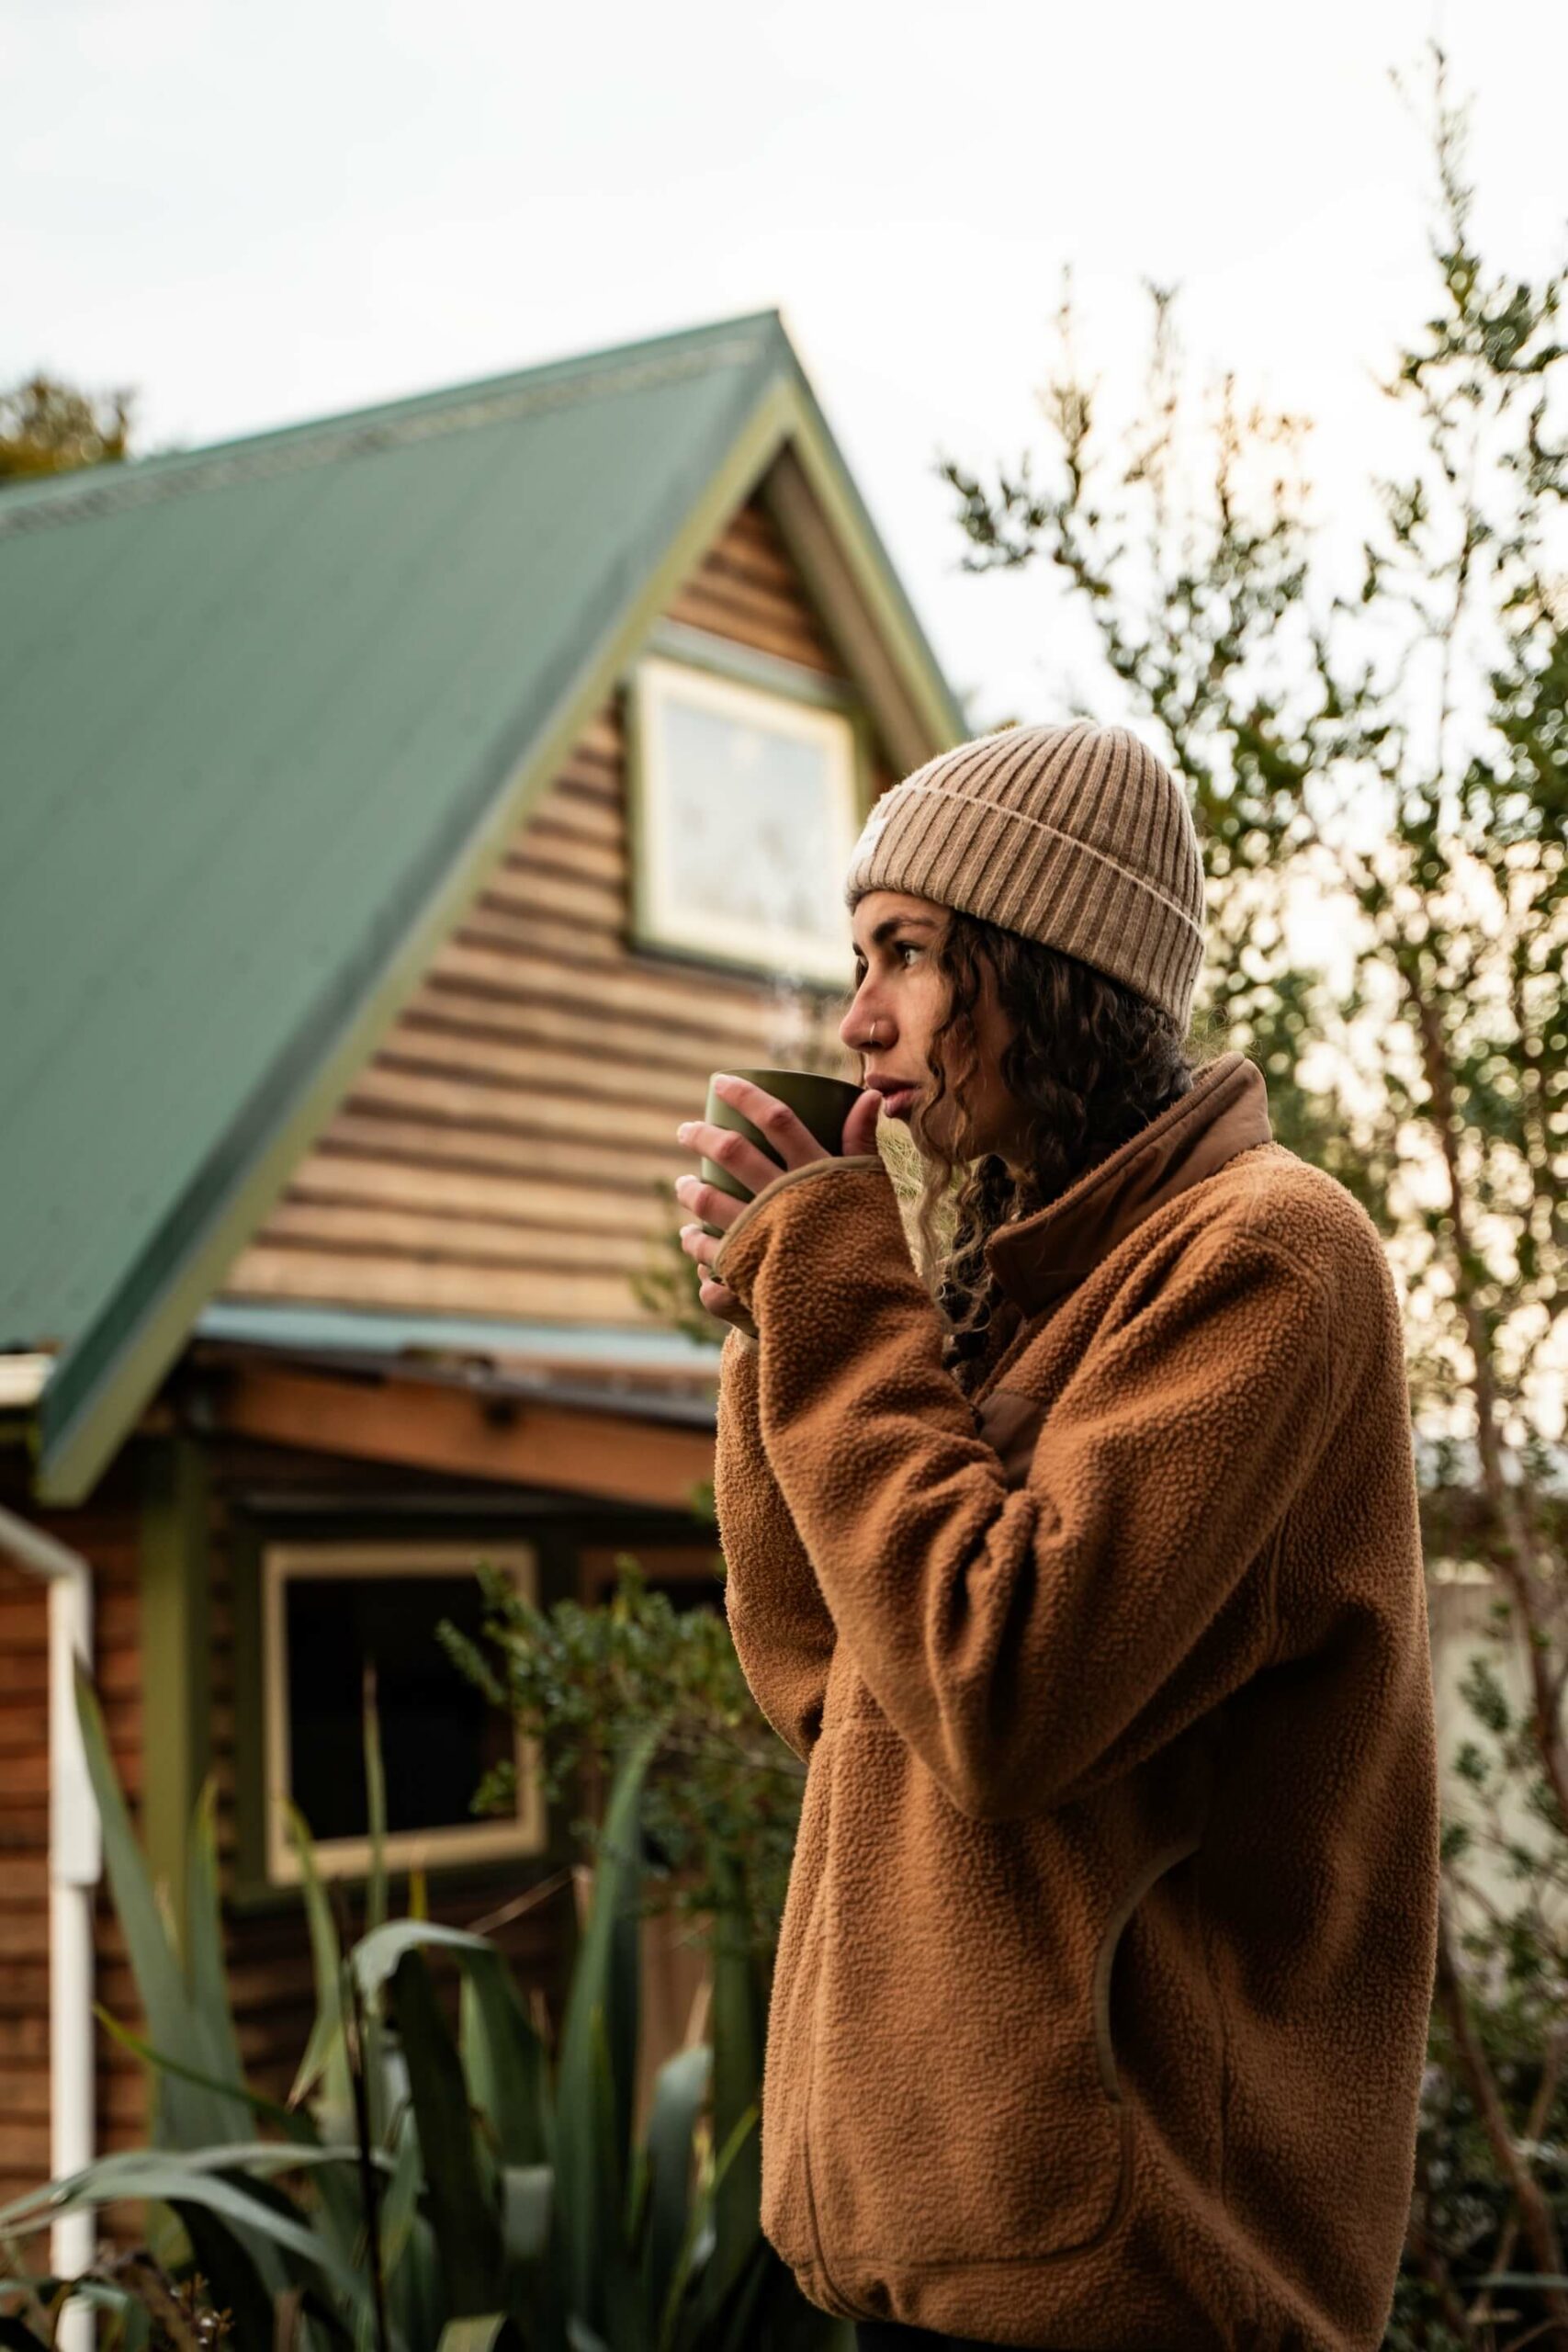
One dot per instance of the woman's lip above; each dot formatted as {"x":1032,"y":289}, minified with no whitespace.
{"x":897,"y":1100}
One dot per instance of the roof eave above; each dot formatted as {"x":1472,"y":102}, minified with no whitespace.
{"x":849,"y":554}
{"x":104,"y":1378}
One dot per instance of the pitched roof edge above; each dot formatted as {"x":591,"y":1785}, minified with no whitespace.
{"x":104,"y":1378}
{"x":101,"y":1382}
{"x":867,"y":551}
{"x":96,"y":490}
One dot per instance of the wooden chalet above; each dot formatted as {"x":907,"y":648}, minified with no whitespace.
{"x":402,"y":814}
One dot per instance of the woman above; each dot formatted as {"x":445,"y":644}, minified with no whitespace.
{"x":1082,"y":1571}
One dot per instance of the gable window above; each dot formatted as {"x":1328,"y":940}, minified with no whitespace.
{"x":746,"y":808}
{"x":330,"y":1610}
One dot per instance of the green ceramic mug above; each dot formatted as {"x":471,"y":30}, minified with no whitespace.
{"x":821,"y":1104}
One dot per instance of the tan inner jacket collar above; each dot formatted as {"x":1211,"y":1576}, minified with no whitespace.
{"x":1036,"y":1257}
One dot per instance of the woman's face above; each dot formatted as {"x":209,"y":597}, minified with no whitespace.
{"x":898,"y":989}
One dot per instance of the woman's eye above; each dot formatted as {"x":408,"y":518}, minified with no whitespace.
{"x":900,"y":947}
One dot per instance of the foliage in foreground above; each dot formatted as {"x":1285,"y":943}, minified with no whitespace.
{"x":422,"y":2187}
{"x":721,"y":1797}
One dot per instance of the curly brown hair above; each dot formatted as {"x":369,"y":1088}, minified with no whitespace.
{"x":1089,"y":1060}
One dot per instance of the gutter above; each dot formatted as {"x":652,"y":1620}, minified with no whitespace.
{"x":75,"y":1862}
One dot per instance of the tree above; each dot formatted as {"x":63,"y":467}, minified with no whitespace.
{"x":1401,"y":751}
{"x":48,"y":428}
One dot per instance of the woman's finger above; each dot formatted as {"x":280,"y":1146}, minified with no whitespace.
{"x":735,"y":1153}
{"x":786,"y":1132}
{"x":861,"y":1124}
{"x":712,"y":1205}
{"x":717,"y":1297}
{"x":698,"y":1244}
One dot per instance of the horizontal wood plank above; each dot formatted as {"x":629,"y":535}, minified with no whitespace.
{"x":336,"y":1179}
{"x":543,"y":1295}
{"x":438,"y":1237}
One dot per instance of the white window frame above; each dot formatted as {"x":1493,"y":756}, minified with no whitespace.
{"x":659,"y":918}
{"x":483,"y":1840}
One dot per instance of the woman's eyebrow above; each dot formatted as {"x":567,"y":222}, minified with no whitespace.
{"x":890,"y":924}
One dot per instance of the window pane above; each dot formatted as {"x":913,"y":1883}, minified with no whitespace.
{"x":438,"y":1736}
{"x":749,"y":823}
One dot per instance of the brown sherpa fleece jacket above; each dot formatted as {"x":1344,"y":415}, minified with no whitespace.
{"x":1099,"y":2005}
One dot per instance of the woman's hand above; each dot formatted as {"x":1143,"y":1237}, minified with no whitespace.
{"x":795,"y":1144}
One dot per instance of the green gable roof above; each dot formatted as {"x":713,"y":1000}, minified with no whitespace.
{"x":266,"y":710}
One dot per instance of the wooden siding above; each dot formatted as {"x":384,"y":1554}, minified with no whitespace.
{"x":105,"y":1533}
{"x":267,"y":1948}
{"x":501,"y":1153}
{"x":746,"y":587}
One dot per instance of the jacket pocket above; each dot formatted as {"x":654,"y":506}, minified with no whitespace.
{"x":960,"y":2104}
{"x":1105,"y":1958}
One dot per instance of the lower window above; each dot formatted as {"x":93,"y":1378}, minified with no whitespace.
{"x":332,"y":1612}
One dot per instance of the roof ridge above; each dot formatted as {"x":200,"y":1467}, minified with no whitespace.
{"x":105,"y":488}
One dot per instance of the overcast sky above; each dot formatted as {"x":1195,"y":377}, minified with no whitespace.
{"x":259,"y":215}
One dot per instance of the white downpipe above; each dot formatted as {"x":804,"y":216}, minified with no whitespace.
{"x":75,"y":1861}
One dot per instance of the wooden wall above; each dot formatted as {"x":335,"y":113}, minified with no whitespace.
{"x":500,"y":1154}
{"x":105,"y":1533}
{"x":266,"y":1945}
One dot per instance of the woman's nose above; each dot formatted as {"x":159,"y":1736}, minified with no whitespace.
{"x":862,"y":1026}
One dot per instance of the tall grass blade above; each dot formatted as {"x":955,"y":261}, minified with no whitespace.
{"x":468,"y":2234}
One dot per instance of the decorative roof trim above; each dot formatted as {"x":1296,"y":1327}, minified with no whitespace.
{"x":108,"y":490}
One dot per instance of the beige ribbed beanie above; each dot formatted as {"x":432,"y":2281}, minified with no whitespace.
{"x":1076,"y":835}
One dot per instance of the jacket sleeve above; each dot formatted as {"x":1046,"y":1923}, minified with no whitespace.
{"x":1029,"y":1642}
{"x":783,"y":1633}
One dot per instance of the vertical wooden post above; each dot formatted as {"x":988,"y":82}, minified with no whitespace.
{"x":176,"y":1733}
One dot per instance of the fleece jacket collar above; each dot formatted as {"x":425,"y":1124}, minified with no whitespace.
{"x":1037,"y":1258}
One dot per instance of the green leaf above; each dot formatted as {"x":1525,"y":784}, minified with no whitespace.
{"x":400,"y":2203}
{"x":679,"y":2091}
{"x":325,"y":2060}
{"x":297,"y":2126}
{"x":376,"y":1801}
{"x":468,"y":2234}
{"x":235,"y":2283}
{"x":527,"y":2206}
{"x":738,"y":2025}
{"x":172,"y":2177}
{"x":724,"y":2285}
{"x":204,"y":1937}
{"x":595,"y":2078}
{"x":375,"y":1957}
{"x":504,"y":2062}
{"x":421,"y":2298}
{"x":493,"y":2333}
{"x":188,"y":2115}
